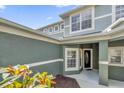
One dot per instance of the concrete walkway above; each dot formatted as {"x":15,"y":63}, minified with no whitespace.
{"x":89,"y":79}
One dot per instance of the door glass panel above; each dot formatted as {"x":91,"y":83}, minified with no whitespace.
{"x":87,"y":58}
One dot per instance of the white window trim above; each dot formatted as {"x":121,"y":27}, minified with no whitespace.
{"x":91,"y":58}
{"x":55,"y":27}
{"x":53,"y":33}
{"x":109,"y":56}
{"x":81,"y":57}
{"x":61,"y":28}
{"x":113,"y":13}
{"x":45,"y":30}
{"x":93,"y":21}
{"x":103,"y":16}
{"x":77,"y":59}
{"x":50,"y":28}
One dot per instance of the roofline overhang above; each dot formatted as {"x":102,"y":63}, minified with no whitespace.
{"x":55,"y":23}
{"x":27,"y":30}
{"x":71,"y":11}
{"x":104,"y":35}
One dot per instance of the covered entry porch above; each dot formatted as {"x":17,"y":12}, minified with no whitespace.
{"x":82,"y":58}
{"x":107,"y":54}
{"x":89,"y":79}
{"x":98,"y":63}
{"x":103,"y":51}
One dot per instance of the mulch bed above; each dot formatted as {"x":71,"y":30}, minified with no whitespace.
{"x":65,"y":82}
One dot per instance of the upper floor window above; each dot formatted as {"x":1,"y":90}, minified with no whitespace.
{"x":50,"y":29}
{"x":62,"y":26}
{"x":86,"y":20}
{"x":75,"y":22}
{"x":119,"y":11}
{"x":82,"y":21}
{"x":56,"y":28}
{"x":45,"y":30}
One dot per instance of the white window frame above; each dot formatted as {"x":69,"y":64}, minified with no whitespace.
{"x":93,"y":22}
{"x":122,"y":54}
{"x":45,"y":30}
{"x":50,"y":28}
{"x":77,"y":59}
{"x":56,"y":30}
{"x":71,"y":22}
{"x":113,"y":13}
{"x":61,"y":25}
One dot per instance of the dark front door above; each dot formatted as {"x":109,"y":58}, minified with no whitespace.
{"x":87,"y":59}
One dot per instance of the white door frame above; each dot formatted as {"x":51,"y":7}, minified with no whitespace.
{"x":91,"y":60}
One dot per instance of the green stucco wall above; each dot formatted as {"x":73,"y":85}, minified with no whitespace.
{"x":20,"y":50}
{"x":95,"y":56}
{"x":116,"y":73}
{"x":52,"y":68}
{"x":103,"y":62}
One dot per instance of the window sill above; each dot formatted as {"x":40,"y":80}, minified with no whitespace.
{"x":71,"y":69}
{"x":52,"y":33}
{"x":79,"y":31}
{"x":118,"y":65}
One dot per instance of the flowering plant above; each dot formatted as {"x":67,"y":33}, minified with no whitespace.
{"x":20,"y":76}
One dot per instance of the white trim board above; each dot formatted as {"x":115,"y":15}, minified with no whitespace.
{"x":54,"y":33}
{"x":44,"y":62}
{"x":55,"y":27}
{"x":27,"y":34}
{"x":113,"y":13}
{"x":106,"y":15}
{"x":104,"y":62}
{"x":38,"y":63}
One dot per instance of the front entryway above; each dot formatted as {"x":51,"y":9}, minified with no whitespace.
{"x":87,"y":59}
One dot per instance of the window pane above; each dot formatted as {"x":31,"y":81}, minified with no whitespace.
{"x":86,"y":24}
{"x":86,"y":21}
{"x":56,"y":28}
{"x":119,"y":11}
{"x":118,"y":7}
{"x":75,"y":27}
{"x":75,"y":18}
{"x":75,"y":23}
{"x":71,"y":63}
{"x":51,"y":29}
{"x":62,"y":26}
{"x":71,"y":59}
{"x":45,"y":30}
{"x":115,"y":56}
